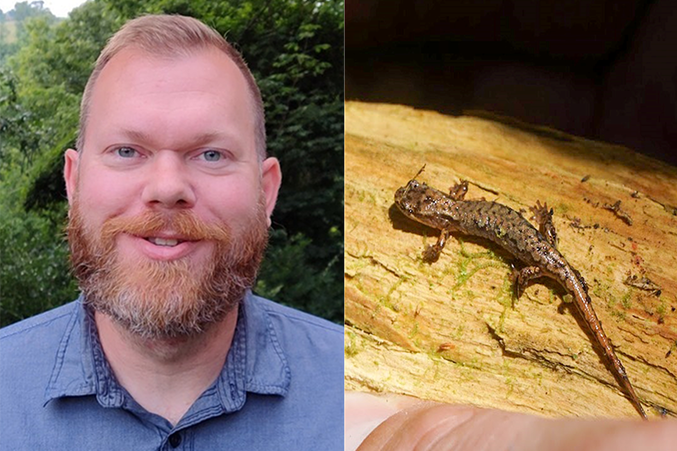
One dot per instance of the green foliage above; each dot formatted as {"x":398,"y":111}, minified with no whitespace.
{"x":288,"y":274}
{"x":15,"y":20}
{"x":8,"y":39}
{"x":295,"y":50}
{"x":34,"y":275}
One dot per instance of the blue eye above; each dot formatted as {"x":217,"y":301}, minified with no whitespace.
{"x":212,"y":155}
{"x":126,"y":152}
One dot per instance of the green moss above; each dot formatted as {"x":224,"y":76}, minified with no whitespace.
{"x":474,"y":363}
{"x":661,"y":309}
{"x":561,"y":209}
{"x":352,"y":348}
{"x":414,"y":330}
{"x":618,"y":314}
{"x":611,"y":269}
{"x":388,"y":301}
{"x":458,"y":333}
{"x":505,"y":295}
{"x":468,"y":265}
{"x":376,"y":312}
{"x":501,"y":319}
{"x":510,"y":382}
{"x":626,"y":300}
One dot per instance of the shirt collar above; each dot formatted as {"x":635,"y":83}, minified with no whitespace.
{"x":256,"y":362}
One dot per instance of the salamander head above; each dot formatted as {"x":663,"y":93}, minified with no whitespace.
{"x":424,"y":204}
{"x":410,"y":197}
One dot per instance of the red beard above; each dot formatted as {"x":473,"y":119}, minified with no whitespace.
{"x":157,"y":299}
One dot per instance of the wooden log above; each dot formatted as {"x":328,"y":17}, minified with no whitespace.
{"x":451,"y":331}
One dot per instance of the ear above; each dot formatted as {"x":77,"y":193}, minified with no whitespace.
{"x":271,"y":178}
{"x":70,"y":173}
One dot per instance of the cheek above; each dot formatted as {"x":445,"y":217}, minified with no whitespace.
{"x":232,"y":202}
{"x":102,"y":195}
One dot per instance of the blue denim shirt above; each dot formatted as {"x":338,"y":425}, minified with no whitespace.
{"x":281,"y":388}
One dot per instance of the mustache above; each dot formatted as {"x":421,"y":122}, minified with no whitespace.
{"x":182,"y":224}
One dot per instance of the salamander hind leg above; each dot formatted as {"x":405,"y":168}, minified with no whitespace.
{"x":522,"y":277}
{"x":543,"y":217}
{"x":457,"y":192}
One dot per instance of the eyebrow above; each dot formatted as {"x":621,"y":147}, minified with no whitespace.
{"x":196,"y":140}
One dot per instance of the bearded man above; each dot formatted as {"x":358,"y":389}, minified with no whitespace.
{"x":170,"y":195}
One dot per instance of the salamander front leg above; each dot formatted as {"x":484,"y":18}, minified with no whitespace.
{"x":432,"y":253}
{"x":457,"y":192}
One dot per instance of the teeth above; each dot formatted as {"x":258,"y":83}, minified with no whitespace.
{"x":163,"y":242}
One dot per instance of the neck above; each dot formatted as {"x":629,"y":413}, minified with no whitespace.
{"x":166,"y":376}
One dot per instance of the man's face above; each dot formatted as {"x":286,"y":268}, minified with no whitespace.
{"x":168,"y":139}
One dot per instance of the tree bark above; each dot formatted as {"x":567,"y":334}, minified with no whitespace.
{"x":452,"y":331}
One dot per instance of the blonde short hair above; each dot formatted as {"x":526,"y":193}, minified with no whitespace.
{"x":171,"y":36}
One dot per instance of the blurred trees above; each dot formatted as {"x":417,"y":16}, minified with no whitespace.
{"x":295,"y":50}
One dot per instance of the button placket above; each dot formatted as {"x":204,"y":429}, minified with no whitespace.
{"x":175,"y":440}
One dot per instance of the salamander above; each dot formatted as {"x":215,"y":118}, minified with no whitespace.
{"x":536,"y":249}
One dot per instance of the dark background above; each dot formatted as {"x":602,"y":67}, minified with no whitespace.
{"x":604,"y":70}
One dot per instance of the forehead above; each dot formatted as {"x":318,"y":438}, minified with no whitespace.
{"x":203,"y":88}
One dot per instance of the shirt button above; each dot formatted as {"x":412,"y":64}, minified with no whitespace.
{"x":175,"y":440}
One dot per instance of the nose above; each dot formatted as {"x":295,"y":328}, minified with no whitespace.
{"x":168,"y":182}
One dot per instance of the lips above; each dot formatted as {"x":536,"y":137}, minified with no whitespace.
{"x":167,"y":242}
{"x":164,"y":247}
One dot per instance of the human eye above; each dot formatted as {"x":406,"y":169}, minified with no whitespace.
{"x":126,"y":152}
{"x":123,"y":156}
{"x":212,"y":155}
{"x":211,"y":159}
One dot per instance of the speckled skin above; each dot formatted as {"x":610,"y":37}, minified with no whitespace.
{"x":535,"y":248}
